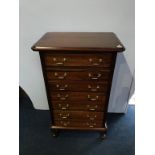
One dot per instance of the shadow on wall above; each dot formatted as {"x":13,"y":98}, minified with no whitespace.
{"x":24,"y":99}
{"x":121,"y":86}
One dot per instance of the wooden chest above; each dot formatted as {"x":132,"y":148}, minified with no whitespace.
{"x":78,"y":69}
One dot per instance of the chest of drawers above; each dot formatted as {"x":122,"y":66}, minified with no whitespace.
{"x":78,"y":69}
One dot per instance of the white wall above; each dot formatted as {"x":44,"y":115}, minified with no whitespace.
{"x":40,"y":16}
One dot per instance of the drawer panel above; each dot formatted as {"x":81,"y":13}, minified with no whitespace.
{"x":77,"y":115}
{"x":83,"y":124}
{"x":79,"y":86}
{"x":86,"y":105}
{"x":78,"y":75}
{"x":104,"y":60}
{"x":78,"y":96}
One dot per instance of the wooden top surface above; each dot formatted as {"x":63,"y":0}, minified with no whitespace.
{"x":79,"y":41}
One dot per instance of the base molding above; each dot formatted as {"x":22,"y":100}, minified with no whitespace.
{"x":55,"y":130}
{"x":103,"y":129}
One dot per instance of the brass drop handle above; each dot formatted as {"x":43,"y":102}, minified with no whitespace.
{"x":60,"y":77}
{"x":62,"y":97}
{"x":63,"y":107}
{"x":92,"y":99}
{"x":92,"y":108}
{"x":95,"y":64}
{"x":62,"y":88}
{"x":91,"y":125}
{"x":93,"y":77}
{"x":65,"y":123}
{"x":93,"y":89}
{"x":59,"y":63}
{"x":91,"y":117}
{"x":64,"y":116}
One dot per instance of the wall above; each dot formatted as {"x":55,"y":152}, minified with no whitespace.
{"x":40,"y":16}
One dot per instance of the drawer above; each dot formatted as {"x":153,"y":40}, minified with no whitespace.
{"x":104,"y":60}
{"x":79,"y":75}
{"x":78,"y":96}
{"x":77,"y":115}
{"x":79,"y":86}
{"x":82,"y":124}
{"x":81,"y":105}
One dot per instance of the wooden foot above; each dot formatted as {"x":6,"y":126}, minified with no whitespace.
{"x":55,"y":132}
{"x":103,"y":135}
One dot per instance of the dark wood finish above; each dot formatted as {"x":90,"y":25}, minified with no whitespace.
{"x":80,"y":123}
{"x":78,"y":70}
{"x":85,"y":86}
{"x":78,"y":115}
{"x":82,"y":105}
{"x":78,"y":60}
{"x":94,"y":75}
{"x":78,"y":96}
{"x":103,"y":129}
{"x":79,"y":41}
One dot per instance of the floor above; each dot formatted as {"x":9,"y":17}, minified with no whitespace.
{"x":36,"y":139}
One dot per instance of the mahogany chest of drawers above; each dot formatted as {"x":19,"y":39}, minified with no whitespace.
{"x":78,"y":69}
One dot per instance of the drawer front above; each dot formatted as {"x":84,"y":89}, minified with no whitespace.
{"x":78,"y":75}
{"x":78,"y":96}
{"x":79,"y":86}
{"x":77,"y":115}
{"x":82,"y":124}
{"x":85,"y":106}
{"x":104,"y":60}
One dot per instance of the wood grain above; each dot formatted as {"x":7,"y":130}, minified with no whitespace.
{"x":104,"y":60}
{"x":93,"y":75}
{"x":79,"y":41}
{"x":78,"y":70}
{"x":79,"y":105}
{"x":85,"y":86}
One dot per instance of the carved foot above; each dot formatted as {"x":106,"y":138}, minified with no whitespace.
{"x":103,"y":135}
{"x":55,"y":133}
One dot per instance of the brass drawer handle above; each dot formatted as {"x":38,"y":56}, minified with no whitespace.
{"x":91,"y":117}
{"x":91,"y":125}
{"x":59,"y":63}
{"x":92,"y":108}
{"x":62,"y":87}
{"x":65,"y":123}
{"x":64,"y":107}
{"x":92,"y":99}
{"x":93,"y":89}
{"x":95,"y":64}
{"x":60,"y":77}
{"x":64,"y":116}
{"x":62,"y":97}
{"x":94,"y":77}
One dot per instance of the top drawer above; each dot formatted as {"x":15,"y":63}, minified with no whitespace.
{"x":100,"y":60}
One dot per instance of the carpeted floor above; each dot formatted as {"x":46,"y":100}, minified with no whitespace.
{"x":36,"y":138}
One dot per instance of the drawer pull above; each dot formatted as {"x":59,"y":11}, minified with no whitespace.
{"x":62,"y":97}
{"x":65,"y":123}
{"x":91,"y":125}
{"x":64,"y":116}
{"x":95,"y":63}
{"x":94,"y":77}
{"x":64,"y":107}
{"x":92,"y":108}
{"x":91,"y":117}
{"x":93,"y":89}
{"x":92,"y":99}
{"x":60,"y":77}
{"x":63,"y":87}
{"x":59,"y":63}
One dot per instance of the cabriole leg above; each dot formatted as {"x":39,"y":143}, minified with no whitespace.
{"x":55,"y":132}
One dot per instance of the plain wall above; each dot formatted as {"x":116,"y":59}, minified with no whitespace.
{"x":40,"y":16}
